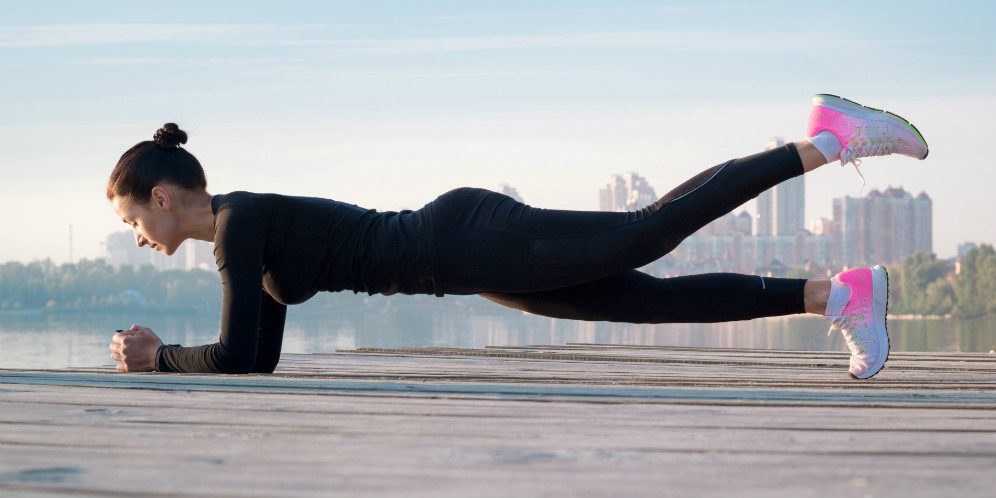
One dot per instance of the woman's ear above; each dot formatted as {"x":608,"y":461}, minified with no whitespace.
{"x":161,"y":198}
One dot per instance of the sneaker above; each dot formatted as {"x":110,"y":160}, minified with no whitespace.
{"x":864,"y":131}
{"x":862,"y":321}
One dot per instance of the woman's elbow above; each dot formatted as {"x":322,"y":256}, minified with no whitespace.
{"x":242,"y":362}
{"x":234,"y":364}
{"x":266,"y":366}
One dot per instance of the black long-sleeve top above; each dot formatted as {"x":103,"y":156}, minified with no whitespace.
{"x":274,"y":250}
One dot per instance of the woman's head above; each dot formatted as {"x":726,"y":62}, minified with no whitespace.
{"x":156,"y":162}
{"x":149,"y":184}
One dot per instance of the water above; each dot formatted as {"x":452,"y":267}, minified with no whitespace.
{"x":43,"y":340}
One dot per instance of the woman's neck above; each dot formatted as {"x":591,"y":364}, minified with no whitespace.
{"x":198,"y":217}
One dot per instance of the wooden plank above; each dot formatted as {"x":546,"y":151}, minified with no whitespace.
{"x":546,"y":420}
{"x":670,"y":368}
{"x":782,"y":397}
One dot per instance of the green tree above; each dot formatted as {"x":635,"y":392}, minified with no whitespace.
{"x":195,"y":289}
{"x":976,"y":285}
{"x":919,"y":270}
{"x":940,"y":297}
{"x":987,"y":279}
{"x":895,"y":288}
{"x":94,"y":284}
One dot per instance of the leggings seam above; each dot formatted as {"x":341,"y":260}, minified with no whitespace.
{"x":682,"y":196}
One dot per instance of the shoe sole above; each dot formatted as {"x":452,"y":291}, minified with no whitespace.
{"x":846,"y":106}
{"x":880,"y":291}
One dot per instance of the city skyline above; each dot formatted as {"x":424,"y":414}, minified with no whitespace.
{"x":781,"y":210}
{"x":881,"y":227}
{"x":389,"y":104}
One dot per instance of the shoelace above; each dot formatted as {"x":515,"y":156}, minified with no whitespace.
{"x":882,"y":147}
{"x":840,"y":323}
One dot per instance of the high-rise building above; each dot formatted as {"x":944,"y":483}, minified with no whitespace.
{"x":628,"y":192}
{"x":923,"y":223}
{"x":849,"y":230}
{"x":121,"y":249}
{"x":725,"y":244}
{"x":199,"y":255}
{"x":781,"y":210}
{"x":822,"y":226}
{"x":964,"y":248}
{"x":882,"y":227}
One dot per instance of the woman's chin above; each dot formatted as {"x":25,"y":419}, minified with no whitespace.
{"x":163,"y":249}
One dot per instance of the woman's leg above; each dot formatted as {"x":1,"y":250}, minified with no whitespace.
{"x":635,"y":297}
{"x":487,"y":242}
{"x":856,"y":300}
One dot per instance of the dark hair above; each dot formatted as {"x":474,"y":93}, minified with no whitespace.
{"x":153,"y":162}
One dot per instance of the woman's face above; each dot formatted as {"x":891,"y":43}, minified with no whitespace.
{"x":153,"y":223}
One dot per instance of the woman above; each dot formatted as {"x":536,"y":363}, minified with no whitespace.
{"x":273,"y":251}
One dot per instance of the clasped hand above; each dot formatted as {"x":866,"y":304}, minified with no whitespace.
{"x":135,"y":349}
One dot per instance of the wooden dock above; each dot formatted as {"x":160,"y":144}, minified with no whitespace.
{"x":573,"y":420}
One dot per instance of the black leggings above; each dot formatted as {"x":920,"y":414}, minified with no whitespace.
{"x":579,"y":265}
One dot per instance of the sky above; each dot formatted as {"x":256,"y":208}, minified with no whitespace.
{"x":388,"y":104}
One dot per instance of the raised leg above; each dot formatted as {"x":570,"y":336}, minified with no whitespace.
{"x":486,"y":242}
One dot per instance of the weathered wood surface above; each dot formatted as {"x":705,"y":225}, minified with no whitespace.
{"x":573,"y":420}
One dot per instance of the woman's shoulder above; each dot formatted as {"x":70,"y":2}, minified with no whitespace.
{"x":238,"y":197}
{"x":272,"y":201}
{"x":236,"y":208}
{"x":243,"y":197}
{"x":253,"y":205}
{"x":241,"y":201}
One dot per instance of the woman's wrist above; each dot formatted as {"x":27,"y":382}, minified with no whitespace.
{"x":155,"y":358}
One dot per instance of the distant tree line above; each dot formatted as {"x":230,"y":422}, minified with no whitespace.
{"x":921,"y":285}
{"x":928,"y":286}
{"x":96,"y":285}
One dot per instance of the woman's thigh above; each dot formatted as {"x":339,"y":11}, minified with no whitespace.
{"x":488,"y":242}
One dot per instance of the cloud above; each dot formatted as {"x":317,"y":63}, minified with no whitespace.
{"x":684,"y":41}
{"x":598,"y":12}
{"x":91,"y":34}
{"x":317,"y":36}
{"x":304,"y":72}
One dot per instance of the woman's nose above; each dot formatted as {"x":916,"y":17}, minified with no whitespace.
{"x":141,"y":241}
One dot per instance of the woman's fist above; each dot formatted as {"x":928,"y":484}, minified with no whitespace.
{"x":135,"y":349}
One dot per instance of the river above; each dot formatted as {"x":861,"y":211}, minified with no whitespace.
{"x":65,"y":339}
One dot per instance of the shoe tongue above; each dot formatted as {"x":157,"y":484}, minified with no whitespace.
{"x":840,"y":294}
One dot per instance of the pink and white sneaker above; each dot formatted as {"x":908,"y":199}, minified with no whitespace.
{"x":862,"y":320}
{"x":864,"y":131}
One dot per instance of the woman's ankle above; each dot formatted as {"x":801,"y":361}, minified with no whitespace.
{"x":811,"y":157}
{"x":815,"y":295}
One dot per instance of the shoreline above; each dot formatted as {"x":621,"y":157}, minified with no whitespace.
{"x":926,"y":317}
{"x":354,"y":308}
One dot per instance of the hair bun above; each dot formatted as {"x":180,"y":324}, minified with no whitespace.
{"x":170,"y":136}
